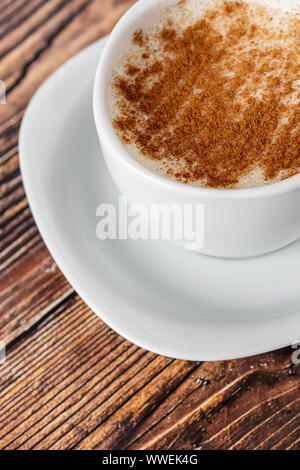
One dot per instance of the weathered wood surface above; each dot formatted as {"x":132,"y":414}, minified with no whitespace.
{"x":69,"y":381}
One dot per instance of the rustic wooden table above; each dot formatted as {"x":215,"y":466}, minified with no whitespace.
{"x":69,"y":381}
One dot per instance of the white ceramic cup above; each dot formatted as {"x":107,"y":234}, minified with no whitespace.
{"x":238,"y":223}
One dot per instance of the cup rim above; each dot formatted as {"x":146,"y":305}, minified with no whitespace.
{"x":108,"y":135}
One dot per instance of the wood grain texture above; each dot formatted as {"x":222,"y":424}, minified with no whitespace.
{"x":69,"y":382}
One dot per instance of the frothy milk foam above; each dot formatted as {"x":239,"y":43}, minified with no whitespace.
{"x":273,"y":15}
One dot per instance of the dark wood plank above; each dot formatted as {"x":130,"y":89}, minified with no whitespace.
{"x":38,"y":51}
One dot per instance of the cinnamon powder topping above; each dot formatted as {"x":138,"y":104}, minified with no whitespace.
{"x":216,"y":102}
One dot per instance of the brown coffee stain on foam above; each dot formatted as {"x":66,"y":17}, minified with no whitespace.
{"x":216,"y":102}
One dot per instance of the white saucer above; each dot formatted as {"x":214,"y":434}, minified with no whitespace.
{"x":153,"y":293}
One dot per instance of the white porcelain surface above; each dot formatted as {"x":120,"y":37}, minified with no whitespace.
{"x":153,"y":293}
{"x":238,"y":223}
